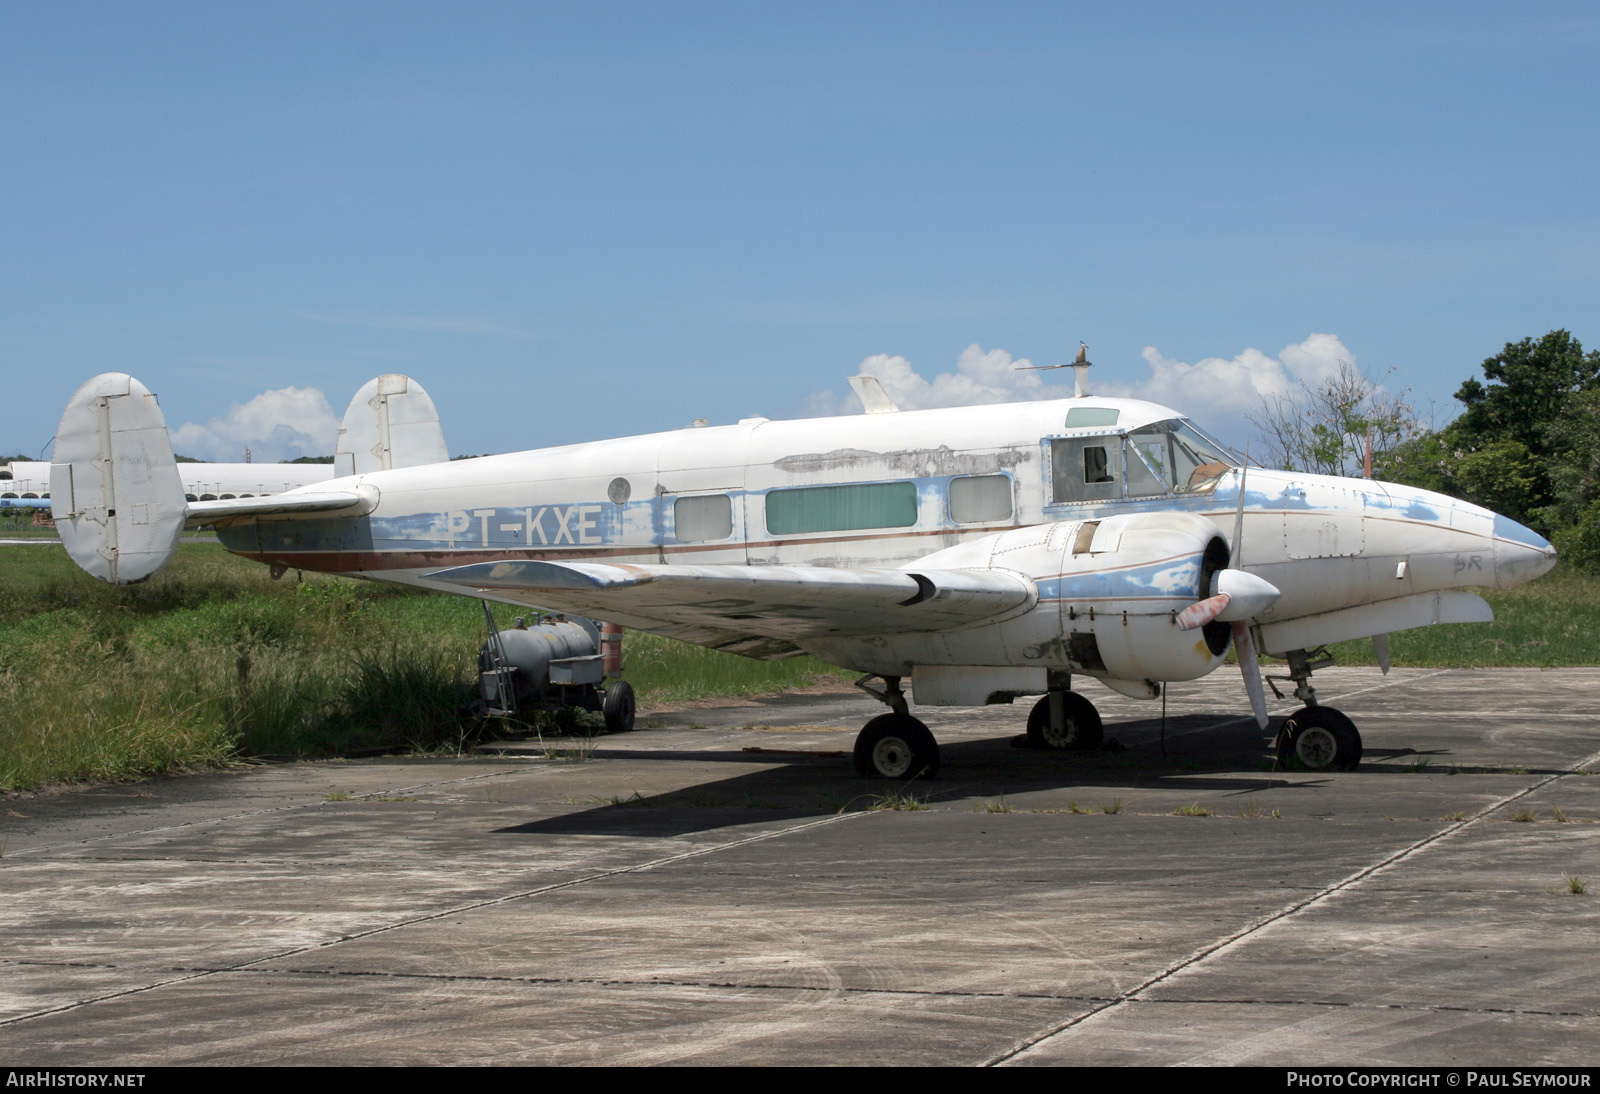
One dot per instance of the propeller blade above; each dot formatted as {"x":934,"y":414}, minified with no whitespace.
{"x":1201,"y":612}
{"x":1238,"y":515}
{"x":1250,"y":667}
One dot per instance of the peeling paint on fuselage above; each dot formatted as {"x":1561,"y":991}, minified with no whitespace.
{"x":914,"y":463}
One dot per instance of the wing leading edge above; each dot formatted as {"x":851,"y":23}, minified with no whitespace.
{"x":761,"y":611}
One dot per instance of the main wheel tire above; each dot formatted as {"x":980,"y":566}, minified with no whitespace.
{"x":618,"y":707}
{"x":1319,"y":739}
{"x":896,"y":746}
{"x":1084,"y":730}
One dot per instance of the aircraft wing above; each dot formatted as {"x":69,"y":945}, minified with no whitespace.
{"x":760,"y":611}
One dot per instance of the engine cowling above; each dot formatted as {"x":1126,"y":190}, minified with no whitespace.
{"x":1110,"y":591}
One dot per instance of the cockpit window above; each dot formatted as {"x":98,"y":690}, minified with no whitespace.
{"x":1178,"y":454}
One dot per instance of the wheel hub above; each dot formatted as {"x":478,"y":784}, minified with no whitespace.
{"x":892,"y":757}
{"x":1316,"y":748}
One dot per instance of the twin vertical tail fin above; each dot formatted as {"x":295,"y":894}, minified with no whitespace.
{"x":118,"y":497}
{"x":114,"y":486}
{"x":391,"y":422}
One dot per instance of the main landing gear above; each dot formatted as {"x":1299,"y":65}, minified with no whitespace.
{"x":1314,"y":738}
{"x":894,"y":745}
{"x":1065,"y":720}
{"x":898,"y":746}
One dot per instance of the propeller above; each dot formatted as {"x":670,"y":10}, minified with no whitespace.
{"x":1236,"y":598}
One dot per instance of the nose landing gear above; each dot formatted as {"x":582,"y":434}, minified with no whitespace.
{"x":1315,"y":738}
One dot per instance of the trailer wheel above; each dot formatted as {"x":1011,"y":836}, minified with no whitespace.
{"x":619,"y":707}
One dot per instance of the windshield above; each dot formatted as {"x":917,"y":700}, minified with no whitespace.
{"x":1179,"y":455}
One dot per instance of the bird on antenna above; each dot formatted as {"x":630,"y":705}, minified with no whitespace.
{"x":1081,"y":359}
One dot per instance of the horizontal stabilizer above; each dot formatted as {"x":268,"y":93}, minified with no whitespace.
{"x":785,"y":602}
{"x":352,"y":503}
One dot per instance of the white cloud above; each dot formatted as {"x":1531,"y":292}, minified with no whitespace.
{"x":1216,"y":391}
{"x":981,"y":376}
{"x":275,"y":425}
{"x":1220,"y":391}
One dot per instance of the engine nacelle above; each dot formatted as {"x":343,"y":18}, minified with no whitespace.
{"x":1110,"y":592}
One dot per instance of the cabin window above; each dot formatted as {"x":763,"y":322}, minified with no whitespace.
{"x":980,"y":498}
{"x":842,"y":508}
{"x":702,"y":518}
{"x":1084,"y":469}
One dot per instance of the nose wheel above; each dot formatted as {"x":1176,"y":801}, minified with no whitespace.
{"x":1319,"y":739}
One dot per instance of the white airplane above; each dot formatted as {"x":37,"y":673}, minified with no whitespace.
{"x":983,"y":553}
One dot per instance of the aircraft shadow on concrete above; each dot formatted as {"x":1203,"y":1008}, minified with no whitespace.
{"x":803,"y":785}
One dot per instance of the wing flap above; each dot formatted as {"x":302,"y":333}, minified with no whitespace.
{"x":788,"y":603}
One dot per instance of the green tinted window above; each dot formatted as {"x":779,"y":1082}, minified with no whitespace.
{"x":841,"y":508}
{"x":1080,"y":416}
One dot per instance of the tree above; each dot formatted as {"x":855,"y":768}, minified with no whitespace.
{"x":1325,"y":429}
{"x":1529,"y":384}
{"x":1527,"y":443}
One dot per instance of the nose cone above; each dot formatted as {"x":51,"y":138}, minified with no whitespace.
{"x":1520,"y":554}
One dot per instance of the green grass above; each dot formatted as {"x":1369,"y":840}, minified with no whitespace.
{"x":1551,"y":622}
{"x":665,"y":671}
{"x":898,"y":801}
{"x":211,"y":661}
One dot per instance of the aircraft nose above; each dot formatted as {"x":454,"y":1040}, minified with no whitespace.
{"x":1520,"y":554}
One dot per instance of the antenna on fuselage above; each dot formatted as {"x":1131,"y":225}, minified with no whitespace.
{"x":1080,"y":370}
{"x":1080,"y":375}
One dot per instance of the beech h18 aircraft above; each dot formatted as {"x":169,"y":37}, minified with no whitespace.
{"x":984,"y":553}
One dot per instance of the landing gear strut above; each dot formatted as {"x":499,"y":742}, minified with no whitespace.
{"x":1314,"y":738}
{"x":894,"y":745}
{"x":1065,"y":720}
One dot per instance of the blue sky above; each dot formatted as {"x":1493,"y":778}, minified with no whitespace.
{"x":571,"y":221}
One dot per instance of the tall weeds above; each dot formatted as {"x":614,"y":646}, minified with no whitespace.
{"x":211,"y":661}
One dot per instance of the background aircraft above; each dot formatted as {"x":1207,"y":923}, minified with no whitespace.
{"x":983,"y":553}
